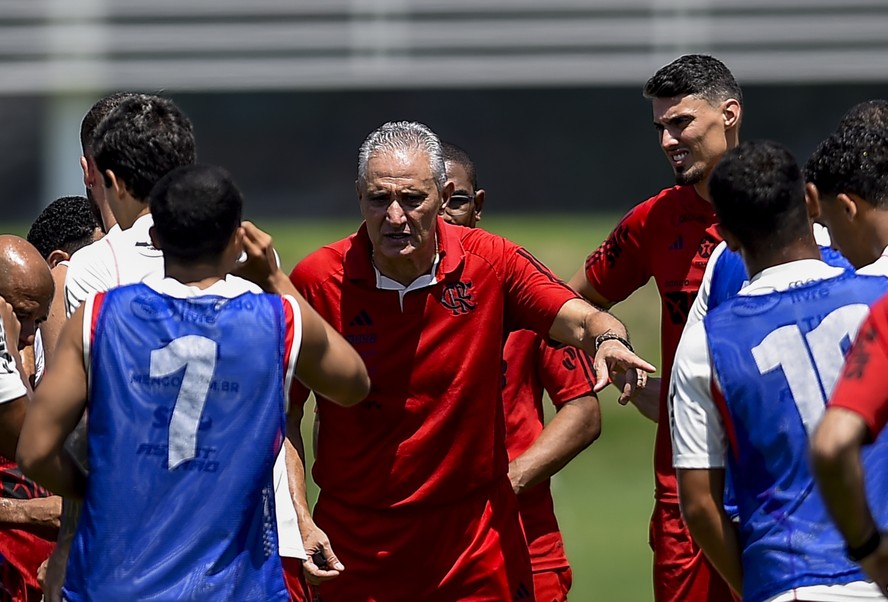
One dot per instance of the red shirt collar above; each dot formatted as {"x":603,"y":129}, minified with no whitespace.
{"x":358,"y":266}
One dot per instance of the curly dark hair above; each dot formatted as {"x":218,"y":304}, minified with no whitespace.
{"x":67,"y":224}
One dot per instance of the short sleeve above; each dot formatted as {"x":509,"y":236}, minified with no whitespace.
{"x":292,"y":343}
{"x":533,"y":294}
{"x":619,"y":266}
{"x":565,"y":372}
{"x":87,"y":273}
{"x":860,"y":388}
{"x":300,"y":276}
{"x":699,"y":439}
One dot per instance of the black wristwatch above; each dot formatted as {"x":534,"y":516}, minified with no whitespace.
{"x":871,"y":544}
{"x":610,"y":336}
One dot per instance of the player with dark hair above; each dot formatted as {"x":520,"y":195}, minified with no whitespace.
{"x":140,"y":141}
{"x":66,"y":225}
{"x":158,"y":136}
{"x":414,"y":488}
{"x":697,"y":109}
{"x":847,"y":450}
{"x":750,"y":385}
{"x":177,"y":506}
{"x":848,"y":177}
{"x":92,"y":179}
{"x":869,"y":113}
{"x":536,"y":450}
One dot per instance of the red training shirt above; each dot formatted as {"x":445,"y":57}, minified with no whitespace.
{"x":668,"y":237}
{"x":861,"y":388}
{"x":531,"y":365}
{"x":431,"y":431}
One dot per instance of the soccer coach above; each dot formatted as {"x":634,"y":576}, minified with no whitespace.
{"x":415,"y":495}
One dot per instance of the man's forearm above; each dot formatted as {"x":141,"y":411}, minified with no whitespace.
{"x":702,"y":507}
{"x":57,"y":472}
{"x":579,"y":322}
{"x":836,"y":460}
{"x":12,"y":415}
{"x":39,"y":515}
{"x":576,"y":425}
{"x":295,"y":462}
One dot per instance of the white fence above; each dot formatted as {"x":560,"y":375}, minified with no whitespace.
{"x":70,"y":46}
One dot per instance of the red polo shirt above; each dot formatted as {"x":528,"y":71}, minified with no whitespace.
{"x":431,"y":431}
{"x":531,"y":366}
{"x":668,"y":237}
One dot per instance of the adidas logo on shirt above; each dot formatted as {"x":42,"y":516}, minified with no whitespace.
{"x":522,"y":593}
{"x":678,"y":244}
{"x":362,"y":319}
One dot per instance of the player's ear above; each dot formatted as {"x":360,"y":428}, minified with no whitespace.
{"x":812,"y":200}
{"x":728,"y":237}
{"x":87,"y":176}
{"x":479,"y":203}
{"x":446,"y":193}
{"x":56,"y":257}
{"x":731,"y":112}
{"x":237,"y":241}
{"x":849,"y":205}
{"x":155,"y":241}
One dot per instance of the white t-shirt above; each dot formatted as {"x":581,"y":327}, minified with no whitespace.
{"x":127,"y":257}
{"x":121,"y":257}
{"x":877,"y":268}
{"x":698,"y":434}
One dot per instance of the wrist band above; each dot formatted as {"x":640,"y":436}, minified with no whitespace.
{"x":610,"y":336}
{"x":871,"y":544}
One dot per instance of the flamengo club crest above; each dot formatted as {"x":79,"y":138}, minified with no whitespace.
{"x":457,"y":297}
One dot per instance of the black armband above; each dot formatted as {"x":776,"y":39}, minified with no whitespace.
{"x":871,"y":544}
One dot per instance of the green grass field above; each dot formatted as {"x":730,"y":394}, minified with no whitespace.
{"x":604,"y":497}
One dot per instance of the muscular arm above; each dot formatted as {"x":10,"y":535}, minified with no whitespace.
{"x":326,"y":363}
{"x":578,"y":323}
{"x":55,"y":410}
{"x":38,"y":515}
{"x":580,"y":283}
{"x":702,"y":506}
{"x":835,"y":454}
{"x":576,"y":425}
{"x":316,"y":542}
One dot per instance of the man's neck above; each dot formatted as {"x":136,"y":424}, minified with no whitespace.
{"x":879,"y":229}
{"x":201,"y":275}
{"x":806,"y":249}
{"x":408,"y":269}
{"x":132,"y":213}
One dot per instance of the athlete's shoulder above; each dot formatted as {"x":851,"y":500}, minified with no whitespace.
{"x":479,"y":241}
{"x":673,"y":198}
{"x":877,"y":268}
{"x":323,"y":264}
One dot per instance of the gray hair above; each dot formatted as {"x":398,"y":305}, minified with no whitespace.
{"x":396,"y":137}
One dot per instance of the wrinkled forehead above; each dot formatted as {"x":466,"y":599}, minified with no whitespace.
{"x":399,"y":166}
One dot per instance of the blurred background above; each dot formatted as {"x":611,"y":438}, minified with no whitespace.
{"x":546,"y":96}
